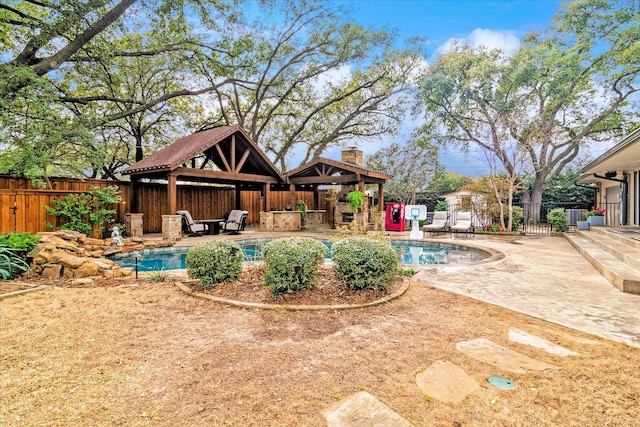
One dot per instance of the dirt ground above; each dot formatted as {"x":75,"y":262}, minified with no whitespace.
{"x":144,"y":353}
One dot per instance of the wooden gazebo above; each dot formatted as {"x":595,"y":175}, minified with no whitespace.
{"x":322,"y":171}
{"x":224,"y":155}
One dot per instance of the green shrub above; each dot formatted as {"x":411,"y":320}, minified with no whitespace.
{"x":86,"y":211}
{"x":356,"y":200}
{"x":517,"y":215}
{"x":558,"y":220}
{"x":214,"y":262}
{"x":20,"y":241}
{"x":442,"y":205}
{"x":365,"y":263}
{"x":11,"y":263}
{"x":301,"y":206}
{"x":292,"y":263}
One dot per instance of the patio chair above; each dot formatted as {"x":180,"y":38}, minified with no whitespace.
{"x":463,"y":223}
{"x":440,"y":222}
{"x":191,"y":227}
{"x":235,"y":222}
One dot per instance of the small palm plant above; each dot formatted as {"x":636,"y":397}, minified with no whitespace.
{"x":11,"y":263}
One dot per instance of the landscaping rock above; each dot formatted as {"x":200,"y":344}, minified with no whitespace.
{"x":362,"y":410}
{"x":446,"y":382}
{"x":52,"y":271}
{"x":72,"y":261}
{"x":85,"y":281}
{"x":73,"y":255}
{"x":522,"y":337}
{"x":504,"y":358}
{"x":87,"y":269}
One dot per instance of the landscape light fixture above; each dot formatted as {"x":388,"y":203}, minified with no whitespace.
{"x":135,"y":255}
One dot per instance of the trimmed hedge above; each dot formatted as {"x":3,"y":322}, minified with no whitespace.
{"x":214,"y":262}
{"x":292,"y":263}
{"x":365,"y":263}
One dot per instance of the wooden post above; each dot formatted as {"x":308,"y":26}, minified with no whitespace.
{"x":133,"y":194}
{"x":238,"y":197}
{"x":316,"y":197}
{"x":172,"y":194}
{"x":380,"y":197}
{"x":292,"y":194}
{"x":267,"y":197}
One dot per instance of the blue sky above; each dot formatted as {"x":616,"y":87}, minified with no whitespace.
{"x":494,"y":23}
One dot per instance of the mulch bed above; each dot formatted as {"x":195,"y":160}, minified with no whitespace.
{"x":329,"y":290}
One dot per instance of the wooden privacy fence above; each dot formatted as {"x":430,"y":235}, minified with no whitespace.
{"x":204,"y":202}
{"x":22,"y":205}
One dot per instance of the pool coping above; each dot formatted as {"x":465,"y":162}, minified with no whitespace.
{"x":494,"y":255}
{"x":292,"y":307}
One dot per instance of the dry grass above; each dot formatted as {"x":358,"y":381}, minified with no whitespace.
{"x":150,"y":355}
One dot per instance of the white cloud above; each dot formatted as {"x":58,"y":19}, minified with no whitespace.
{"x":339,"y":76}
{"x":503,"y":40}
{"x":489,"y":39}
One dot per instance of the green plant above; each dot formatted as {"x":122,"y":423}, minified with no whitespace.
{"x":21,"y":241}
{"x":407,"y":272}
{"x":87,"y":211}
{"x":594,"y":211}
{"x":161,"y":276}
{"x":214,"y":262}
{"x":558,"y":220}
{"x":11,"y":263}
{"x":292,"y":263}
{"x":442,"y":205}
{"x":302,"y":207}
{"x":365,"y":263}
{"x":356,"y":200}
{"x":517,"y":216}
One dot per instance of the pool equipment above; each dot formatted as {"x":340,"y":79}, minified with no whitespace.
{"x":416,"y":213}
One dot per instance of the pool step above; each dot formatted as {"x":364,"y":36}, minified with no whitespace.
{"x":617,"y":261}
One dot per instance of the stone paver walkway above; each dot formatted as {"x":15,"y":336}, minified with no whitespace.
{"x":546,"y":278}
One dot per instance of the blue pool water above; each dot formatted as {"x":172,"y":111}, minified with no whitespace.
{"x":410,"y":252}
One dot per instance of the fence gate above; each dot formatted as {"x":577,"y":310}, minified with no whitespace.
{"x":534,"y":219}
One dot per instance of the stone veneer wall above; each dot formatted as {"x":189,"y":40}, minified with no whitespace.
{"x":379,"y":220}
{"x":171,"y":227}
{"x":72,"y":255}
{"x":316,"y":218}
{"x":133,"y":223}
{"x":280,"y":221}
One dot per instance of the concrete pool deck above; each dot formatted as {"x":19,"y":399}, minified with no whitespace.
{"x":543,"y":277}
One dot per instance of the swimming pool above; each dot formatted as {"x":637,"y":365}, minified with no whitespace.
{"x":410,"y":252}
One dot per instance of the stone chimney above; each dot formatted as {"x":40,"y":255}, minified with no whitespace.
{"x":353,"y":156}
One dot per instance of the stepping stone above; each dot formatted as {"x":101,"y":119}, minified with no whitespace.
{"x":362,"y":410}
{"x":522,"y":337}
{"x":504,"y":358}
{"x":446,"y":382}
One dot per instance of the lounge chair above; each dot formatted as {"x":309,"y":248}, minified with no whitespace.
{"x":191,"y":227}
{"x":440,"y":222}
{"x":235,"y":222}
{"x":463,"y":223}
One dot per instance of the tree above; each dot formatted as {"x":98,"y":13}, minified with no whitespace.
{"x":124,"y":83}
{"x":54,"y":122}
{"x":563,"y":88}
{"x":413,"y":167}
{"x":311,"y":78}
{"x":40,"y":27}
